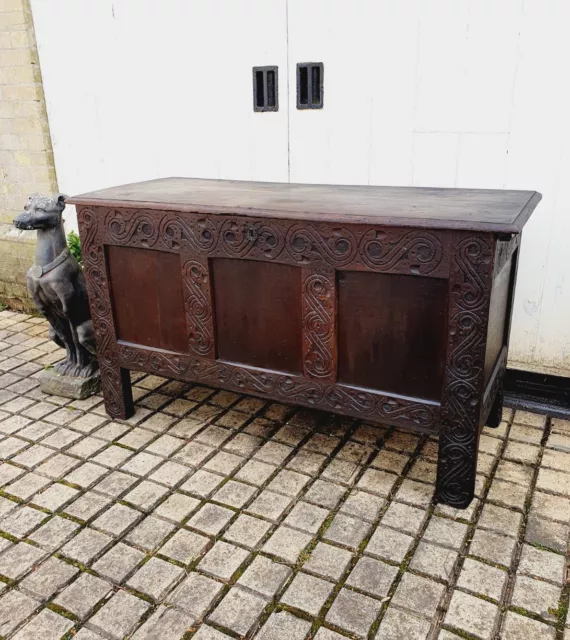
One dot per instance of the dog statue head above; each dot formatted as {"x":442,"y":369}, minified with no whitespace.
{"x":41,"y":212}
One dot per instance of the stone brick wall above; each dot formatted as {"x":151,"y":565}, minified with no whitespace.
{"x":26,"y":158}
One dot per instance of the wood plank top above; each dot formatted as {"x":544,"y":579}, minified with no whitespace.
{"x":493,"y":210}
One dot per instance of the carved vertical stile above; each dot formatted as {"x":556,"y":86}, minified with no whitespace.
{"x":471,"y":277}
{"x":115,"y":381}
{"x":319,"y":300}
{"x":198,"y":304}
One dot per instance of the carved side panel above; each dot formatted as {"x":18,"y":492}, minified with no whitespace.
{"x":504,"y":250}
{"x":198,"y":305}
{"x":314,"y":244}
{"x":470,"y":289}
{"x":115,"y":382}
{"x":319,"y":324}
{"x":494,"y":388}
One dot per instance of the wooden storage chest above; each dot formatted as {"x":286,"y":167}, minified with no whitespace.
{"x":390,"y":304}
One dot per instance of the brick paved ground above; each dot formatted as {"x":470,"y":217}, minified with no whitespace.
{"x":211,"y":516}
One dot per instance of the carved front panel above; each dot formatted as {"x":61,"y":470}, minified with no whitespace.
{"x":273,"y":327}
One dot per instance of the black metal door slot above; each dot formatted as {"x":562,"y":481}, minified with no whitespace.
{"x":265,"y":89}
{"x":310,"y":77}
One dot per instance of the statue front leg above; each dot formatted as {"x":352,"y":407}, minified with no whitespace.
{"x":55,"y":338}
{"x":61,"y":334}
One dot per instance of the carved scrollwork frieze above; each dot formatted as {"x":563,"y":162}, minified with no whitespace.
{"x":470,"y":284}
{"x":286,"y":388}
{"x":319,"y":323}
{"x":101,"y":310}
{"x":419,"y":252}
{"x":318,"y":244}
{"x":198,"y":306}
{"x":131,"y":227}
{"x":177,"y":231}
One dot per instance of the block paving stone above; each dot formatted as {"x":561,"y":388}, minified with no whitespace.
{"x":247,"y":531}
{"x":472,"y":615}
{"x":150,"y":533}
{"x":48,"y":578}
{"x":328,"y":561}
{"x":87,"y":544}
{"x":482,"y":579}
{"x":397,"y":624}
{"x":238,"y":517}
{"x":19,"y":559}
{"x":223,"y":560}
{"x":54,"y":533}
{"x":83,"y":594}
{"x":155,"y":578}
{"x":166,"y":624}
{"x":354,"y":612}
{"x":185,"y":546}
{"x":118,"y":617}
{"x":373,"y":576}
{"x":284,"y":625}
{"x":307,"y":593}
{"x":118,"y":562}
{"x":239,"y":610}
{"x":265,"y":576}
{"x":15,"y":607}
{"x":195,"y":594}
{"x":287,"y":544}
{"x":22,"y":521}
{"x":46,"y":625}
{"x":117,"y":519}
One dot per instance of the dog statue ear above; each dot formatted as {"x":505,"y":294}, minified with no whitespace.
{"x":61,"y":198}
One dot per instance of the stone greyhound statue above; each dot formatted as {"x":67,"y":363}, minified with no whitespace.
{"x":57,"y":285}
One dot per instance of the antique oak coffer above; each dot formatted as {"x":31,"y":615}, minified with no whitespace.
{"x":389,"y":304}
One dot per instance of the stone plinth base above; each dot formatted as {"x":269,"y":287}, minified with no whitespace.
{"x":69,"y":386}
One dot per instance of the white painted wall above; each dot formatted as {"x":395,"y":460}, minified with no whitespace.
{"x":467,"y":93}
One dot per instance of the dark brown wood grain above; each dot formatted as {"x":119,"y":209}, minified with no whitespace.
{"x":498,"y":317}
{"x":473,"y":209}
{"x":391,"y":305}
{"x":146,"y":292}
{"x":258,"y":314}
{"x":392,"y":333}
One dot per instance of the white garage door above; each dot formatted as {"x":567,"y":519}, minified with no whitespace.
{"x":138,"y":89}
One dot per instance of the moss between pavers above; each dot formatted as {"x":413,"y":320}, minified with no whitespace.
{"x":138,"y":594}
{"x":56,"y":608}
{"x":562,"y":612}
{"x":535,"y":616}
{"x":460,"y":633}
{"x":8,"y":536}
